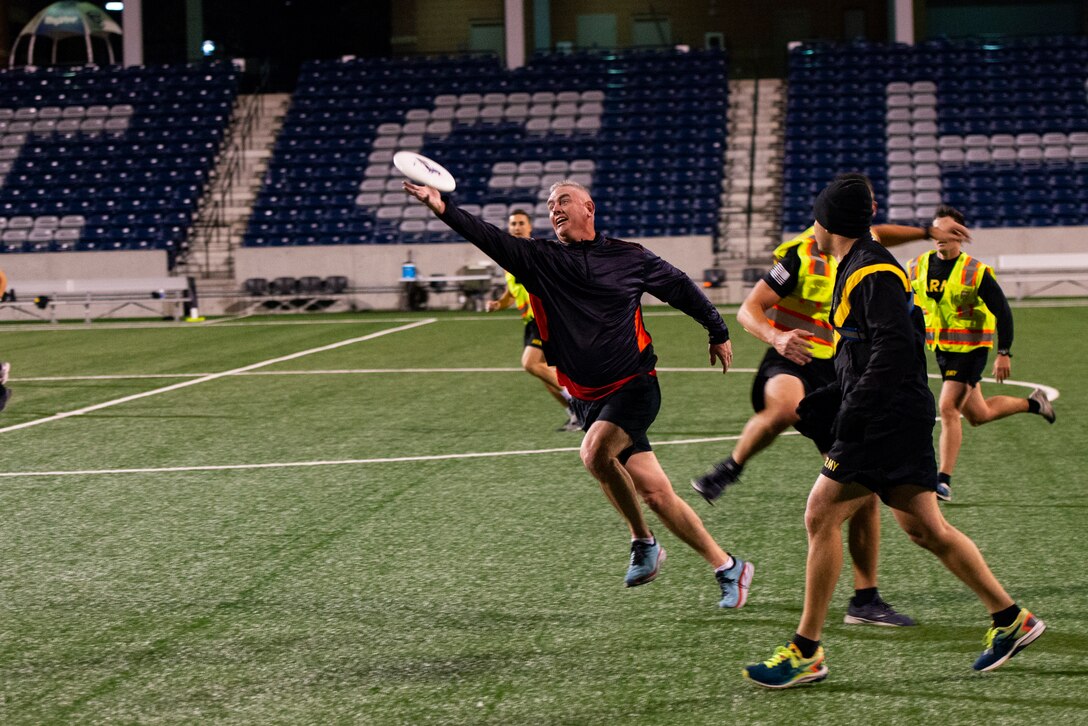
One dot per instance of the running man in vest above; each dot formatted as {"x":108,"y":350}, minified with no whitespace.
{"x":532,"y":357}
{"x":882,"y":443}
{"x":963,"y":304}
{"x":788,"y":310}
{"x":586,"y":291}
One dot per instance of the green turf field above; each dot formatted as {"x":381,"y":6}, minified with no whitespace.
{"x":343,"y":571}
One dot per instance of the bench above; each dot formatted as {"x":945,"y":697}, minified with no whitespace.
{"x":100,"y":297}
{"x":1033,"y":274}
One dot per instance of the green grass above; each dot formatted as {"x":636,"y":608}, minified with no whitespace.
{"x":481,"y":590}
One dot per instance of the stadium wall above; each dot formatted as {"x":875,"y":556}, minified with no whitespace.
{"x":374,"y":271}
{"x":83,"y":265}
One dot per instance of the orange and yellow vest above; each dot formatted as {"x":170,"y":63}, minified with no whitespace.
{"x":959,"y":321}
{"x":807,"y":307}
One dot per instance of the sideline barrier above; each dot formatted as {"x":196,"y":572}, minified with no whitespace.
{"x":1043,"y":270}
{"x":101,"y":298}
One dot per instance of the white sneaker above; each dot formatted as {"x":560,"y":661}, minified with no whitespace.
{"x":1046,"y":408}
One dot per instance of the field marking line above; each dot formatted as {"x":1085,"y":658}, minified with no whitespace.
{"x":328,"y":372}
{"x":231,"y":322}
{"x":1052,"y":393}
{"x":236,"y":321}
{"x":352,"y":462}
{"x":213,"y":376}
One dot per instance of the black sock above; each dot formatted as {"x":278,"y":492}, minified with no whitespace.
{"x":732,"y":465}
{"x":806,"y":646}
{"x":1033,"y":406}
{"x":864,"y":596}
{"x":1004,"y":618}
{"x":943,"y":478}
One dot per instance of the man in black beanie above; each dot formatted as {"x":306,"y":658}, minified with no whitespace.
{"x":883,"y":443}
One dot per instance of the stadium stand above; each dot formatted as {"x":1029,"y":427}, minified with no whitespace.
{"x":645,"y":129}
{"x":108,"y":158}
{"x":998,"y":129}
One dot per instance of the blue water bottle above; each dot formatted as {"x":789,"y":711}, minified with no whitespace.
{"x":408,"y":270}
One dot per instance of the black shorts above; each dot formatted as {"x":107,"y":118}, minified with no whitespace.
{"x":633,"y":408}
{"x":963,"y":367}
{"x":532,"y":335}
{"x":816,"y":374}
{"x":894,"y":451}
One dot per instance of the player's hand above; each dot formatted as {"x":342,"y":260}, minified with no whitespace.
{"x":946,"y":229}
{"x":794,"y":345}
{"x":722,"y":352}
{"x":428,"y":195}
{"x":492,"y":305}
{"x":1002,"y":368}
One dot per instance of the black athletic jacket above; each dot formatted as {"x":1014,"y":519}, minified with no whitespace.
{"x":585,"y":299}
{"x":880,"y":359}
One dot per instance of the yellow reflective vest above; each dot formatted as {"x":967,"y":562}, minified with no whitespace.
{"x":521,"y":297}
{"x":957,"y":322}
{"x":807,"y":307}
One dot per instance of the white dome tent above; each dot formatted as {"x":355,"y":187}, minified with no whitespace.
{"x":63,"y":21}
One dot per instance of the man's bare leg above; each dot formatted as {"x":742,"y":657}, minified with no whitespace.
{"x":533,"y":361}
{"x":781,"y":395}
{"x":653,"y":486}
{"x":830,"y":503}
{"x":917,"y":512}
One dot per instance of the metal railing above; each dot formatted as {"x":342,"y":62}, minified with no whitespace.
{"x":211,"y":228}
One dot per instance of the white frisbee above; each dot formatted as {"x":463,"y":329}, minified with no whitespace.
{"x":422,"y":170}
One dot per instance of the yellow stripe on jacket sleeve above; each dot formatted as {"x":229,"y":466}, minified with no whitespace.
{"x":843,"y":310}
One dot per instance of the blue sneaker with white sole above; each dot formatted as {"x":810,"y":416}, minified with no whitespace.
{"x":646,"y":560}
{"x":734,"y":583}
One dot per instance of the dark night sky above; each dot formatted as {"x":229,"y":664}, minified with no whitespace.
{"x":286,"y":30}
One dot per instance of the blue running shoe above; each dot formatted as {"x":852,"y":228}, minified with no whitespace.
{"x":1004,"y":643}
{"x":734,"y":583}
{"x":944,"y":492}
{"x":646,"y":560}
{"x":877,"y":612}
{"x":787,"y":668}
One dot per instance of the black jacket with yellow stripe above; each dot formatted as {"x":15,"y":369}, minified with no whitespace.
{"x":880,"y":359}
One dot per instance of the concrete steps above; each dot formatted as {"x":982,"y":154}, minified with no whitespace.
{"x":228,"y":204}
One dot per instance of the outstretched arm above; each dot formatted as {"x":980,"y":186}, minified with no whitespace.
{"x":944,"y":229}
{"x":512,"y":253}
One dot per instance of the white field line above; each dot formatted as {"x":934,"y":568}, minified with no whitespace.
{"x":1051,"y":392}
{"x":351,"y":462}
{"x":333,"y":372}
{"x":239,"y":320}
{"x":213,"y":376}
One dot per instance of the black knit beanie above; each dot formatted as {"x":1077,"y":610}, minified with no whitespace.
{"x":845,"y":207}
